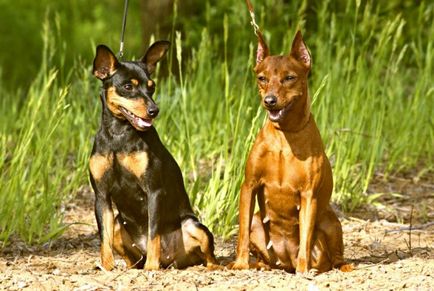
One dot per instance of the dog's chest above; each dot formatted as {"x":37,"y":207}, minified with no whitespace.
{"x":128,"y":188}
{"x":135,"y":163}
{"x":284,"y":178}
{"x":284,"y":173}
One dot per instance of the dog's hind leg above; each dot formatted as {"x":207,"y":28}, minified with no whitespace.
{"x":125,"y":247}
{"x":198,"y":240}
{"x":258,"y":244}
{"x":332,"y":228}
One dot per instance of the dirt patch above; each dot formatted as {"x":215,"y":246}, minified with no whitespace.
{"x":400,"y":198}
{"x":384,"y":253}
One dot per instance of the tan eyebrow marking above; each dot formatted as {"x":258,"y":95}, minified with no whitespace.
{"x":135,"y":82}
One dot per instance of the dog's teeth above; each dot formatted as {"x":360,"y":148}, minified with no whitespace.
{"x":133,"y":245}
{"x":125,"y":222}
{"x":298,"y":207}
{"x":278,"y":263}
{"x":270,"y":244}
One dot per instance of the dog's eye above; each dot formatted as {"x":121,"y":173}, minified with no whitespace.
{"x":128,"y":87}
{"x":151,"y":85}
{"x":289,"y":78}
{"x":262,"y":79}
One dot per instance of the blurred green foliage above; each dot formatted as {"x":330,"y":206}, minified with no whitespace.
{"x":83,"y":23}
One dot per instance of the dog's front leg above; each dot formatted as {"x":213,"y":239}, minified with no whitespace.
{"x":307,"y":217}
{"x":100,"y":169}
{"x":153,"y":249}
{"x":105,"y":219}
{"x":247,"y":205}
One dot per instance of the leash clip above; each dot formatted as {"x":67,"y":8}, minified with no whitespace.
{"x":124,"y":22}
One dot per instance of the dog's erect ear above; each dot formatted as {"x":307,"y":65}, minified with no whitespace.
{"x":262,"y":51}
{"x":105,"y":63}
{"x":300,"y":52}
{"x":154,"y":54}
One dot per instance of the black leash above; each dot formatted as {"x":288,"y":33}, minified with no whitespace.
{"x":124,"y":22}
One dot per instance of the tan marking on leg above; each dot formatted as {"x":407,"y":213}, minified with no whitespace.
{"x":153,"y":253}
{"x":107,"y":259}
{"x":136,"y":162}
{"x":99,"y":164}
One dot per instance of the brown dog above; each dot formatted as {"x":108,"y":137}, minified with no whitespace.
{"x":288,"y":171}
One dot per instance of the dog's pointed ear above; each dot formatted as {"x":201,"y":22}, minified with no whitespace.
{"x":262,"y":52}
{"x":154,"y":54}
{"x":300,"y":52}
{"x":105,"y":62}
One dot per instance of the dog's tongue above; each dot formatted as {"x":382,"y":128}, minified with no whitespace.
{"x":143,"y":123}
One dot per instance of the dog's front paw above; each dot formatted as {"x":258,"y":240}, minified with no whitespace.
{"x":107,"y":261}
{"x":260,"y":266}
{"x":213,"y":267}
{"x":238,"y":265}
{"x":152,"y":265}
{"x":346,"y":268}
{"x":301,"y":266}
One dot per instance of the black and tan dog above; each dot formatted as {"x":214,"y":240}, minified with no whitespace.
{"x":130,"y":167}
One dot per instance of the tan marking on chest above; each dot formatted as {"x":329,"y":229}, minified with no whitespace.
{"x":99,"y":165}
{"x":136,"y":162}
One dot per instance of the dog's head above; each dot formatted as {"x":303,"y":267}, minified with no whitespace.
{"x":282,"y":80}
{"x":128,"y":85}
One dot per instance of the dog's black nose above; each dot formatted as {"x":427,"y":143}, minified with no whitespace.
{"x":270,"y":100}
{"x":153,"y":111}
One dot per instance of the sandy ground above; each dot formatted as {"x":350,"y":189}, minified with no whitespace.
{"x":386,"y":256}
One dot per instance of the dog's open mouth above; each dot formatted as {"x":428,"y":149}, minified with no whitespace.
{"x":278,"y":115}
{"x":136,"y":121}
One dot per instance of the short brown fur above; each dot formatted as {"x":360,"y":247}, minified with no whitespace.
{"x":289,"y":173}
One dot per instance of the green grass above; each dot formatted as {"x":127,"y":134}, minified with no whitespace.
{"x":371,"y":87}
